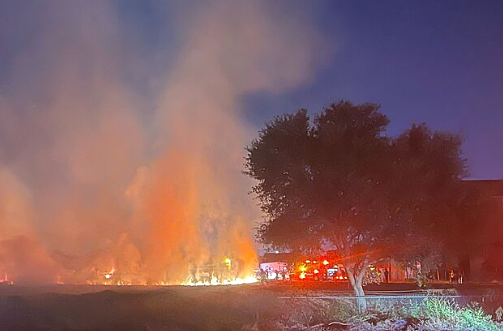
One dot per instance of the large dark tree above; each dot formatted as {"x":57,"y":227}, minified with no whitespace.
{"x":341,"y":182}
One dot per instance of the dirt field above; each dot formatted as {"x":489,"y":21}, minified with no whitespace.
{"x":174,"y":308}
{"x":123,"y":308}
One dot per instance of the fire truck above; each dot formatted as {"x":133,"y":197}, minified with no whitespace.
{"x":327,"y":267}
{"x":322,"y":268}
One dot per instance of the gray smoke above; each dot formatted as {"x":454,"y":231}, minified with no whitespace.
{"x":91,"y":178}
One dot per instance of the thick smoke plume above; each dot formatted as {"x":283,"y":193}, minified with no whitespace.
{"x":93,"y":183}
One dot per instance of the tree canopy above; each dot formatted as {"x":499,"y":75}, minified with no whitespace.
{"x":340,"y":181}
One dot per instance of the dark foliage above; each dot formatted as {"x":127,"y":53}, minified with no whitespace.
{"x":341,"y":180}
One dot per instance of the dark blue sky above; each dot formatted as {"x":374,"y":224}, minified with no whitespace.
{"x":439,"y":62}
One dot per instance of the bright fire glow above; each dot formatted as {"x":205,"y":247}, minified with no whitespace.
{"x":109,"y":274}
{"x":215,"y":281}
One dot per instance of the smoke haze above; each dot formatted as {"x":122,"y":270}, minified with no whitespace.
{"x":98,"y":176}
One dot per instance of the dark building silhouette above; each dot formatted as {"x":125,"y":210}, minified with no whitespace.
{"x":486,"y":248}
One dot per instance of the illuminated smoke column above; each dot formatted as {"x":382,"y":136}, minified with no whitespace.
{"x":94,"y":182}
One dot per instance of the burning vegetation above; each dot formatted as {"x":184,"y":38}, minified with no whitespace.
{"x":101,"y":186}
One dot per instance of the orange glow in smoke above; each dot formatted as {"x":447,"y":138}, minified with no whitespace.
{"x":109,"y":274}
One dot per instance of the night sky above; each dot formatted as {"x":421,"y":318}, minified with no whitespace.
{"x":439,"y":62}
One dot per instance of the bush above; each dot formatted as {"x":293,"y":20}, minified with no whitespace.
{"x":444,"y":314}
{"x":432,"y":314}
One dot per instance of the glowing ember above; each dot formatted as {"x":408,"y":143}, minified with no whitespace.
{"x":109,"y":274}
{"x":5,"y":280}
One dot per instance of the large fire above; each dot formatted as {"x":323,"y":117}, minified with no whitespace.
{"x":117,"y":171}
{"x":206,"y":277}
{"x":121,"y":264}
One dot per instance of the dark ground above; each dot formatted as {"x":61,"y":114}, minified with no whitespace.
{"x":173,"y":308}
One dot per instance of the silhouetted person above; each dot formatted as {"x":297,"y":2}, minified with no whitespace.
{"x":386,"y":275}
{"x":263,"y":276}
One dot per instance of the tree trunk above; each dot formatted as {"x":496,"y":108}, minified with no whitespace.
{"x":464,"y":265}
{"x":356,"y":280}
